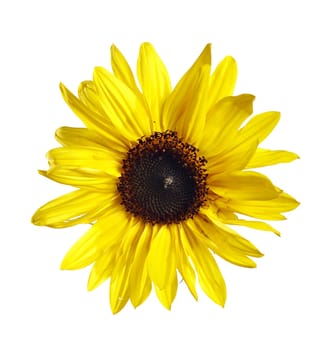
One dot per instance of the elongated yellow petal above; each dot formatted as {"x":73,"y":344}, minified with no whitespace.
{"x":78,"y":207}
{"x":167,"y":295}
{"x":180,"y":105}
{"x":210,"y":278}
{"x":233,"y":159}
{"x":223,"y":80}
{"x":155,"y":82}
{"x":121,"y":105}
{"x":186,"y":270}
{"x":122,"y":69}
{"x":257,"y":225}
{"x":192,"y":98}
{"x":91,"y":118}
{"x":243,"y":185}
{"x":260,"y":126}
{"x":92,"y":179}
{"x":82,"y":137}
{"x":265,"y":157}
{"x":92,"y":158}
{"x":102,"y":235}
{"x":230,"y":247}
{"x":161,"y":260}
{"x":266,"y":210}
{"x":102,"y":268}
{"x":205,"y":58}
{"x":140,"y":283}
{"x":223,"y":121}
{"x":226,"y":235}
{"x":119,"y":285}
{"x":87,"y":93}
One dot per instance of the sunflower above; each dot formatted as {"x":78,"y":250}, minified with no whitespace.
{"x":162,"y":175}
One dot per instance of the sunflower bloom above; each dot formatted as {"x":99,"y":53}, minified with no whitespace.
{"x":162,"y":175}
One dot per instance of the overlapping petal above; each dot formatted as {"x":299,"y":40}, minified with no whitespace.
{"x":121,"y":105}
{"x":103,"y":235}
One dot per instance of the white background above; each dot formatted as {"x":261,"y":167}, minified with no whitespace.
{"x":280,"y":47}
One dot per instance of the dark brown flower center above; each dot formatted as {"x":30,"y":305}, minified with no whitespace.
{"x":163,"y":179}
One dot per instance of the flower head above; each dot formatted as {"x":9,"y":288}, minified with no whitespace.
{"x":162,"y":174}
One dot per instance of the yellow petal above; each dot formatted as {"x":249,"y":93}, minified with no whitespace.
{"x":210,"y":278}
{"x":227,"y":243}
{"x":87,"y":93}
{"x":223,"y":121}
{"x":226,"y":234}
{"x":257,"y":225}
{"x":186,"y":270}
{"x":102,"y":268}
{"x":78,"y":207}
{"x":167,"y":295}
{"x":155,"y":82}
{"x":91,"y":179}
{"x":161,"y":260}
{"x":91,"y":118}
{"x":266,"y":210}
{"x":265,"y":157}
{"x":105,"y":233}
{"x":223,"y":80}
{"x":235,"y":158}
{"x":119,"y":284}
{"x":243,"y":185}
{"x":87,"y":157}
{"x":82,"y":137}
{"x":121,"y":105}
{"x":203,"y":59}
{"x":260,"y":126}
{"x":140,"y":283}
{"x":122,"y":69}
{"x":192,"y":98}
{"x":177,"y":106}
